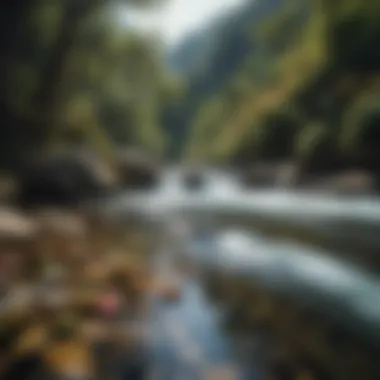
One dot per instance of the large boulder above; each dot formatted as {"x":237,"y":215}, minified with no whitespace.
{"x":193,"y":179}
{"x":137,"y":169}
{"x":64,"y":179}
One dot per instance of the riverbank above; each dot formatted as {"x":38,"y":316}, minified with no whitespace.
{"x":74,"y":287}
{"x":344,"y":182}
{"x":104,"y":259}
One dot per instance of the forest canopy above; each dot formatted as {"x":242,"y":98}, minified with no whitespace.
{"x":308,"y":82}
{"x":72,"y":75}
{"x":277,"y":80}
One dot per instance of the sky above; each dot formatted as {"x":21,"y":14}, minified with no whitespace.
{"x":177,"y":18}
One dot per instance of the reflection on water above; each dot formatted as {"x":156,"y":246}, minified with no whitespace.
{"x":341,"y":289}
{"x":188,"y":337}
{"x":189,"y":340}
{"x":285,"y":244}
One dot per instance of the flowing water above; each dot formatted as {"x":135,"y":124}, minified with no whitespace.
{"x":223,"y":225}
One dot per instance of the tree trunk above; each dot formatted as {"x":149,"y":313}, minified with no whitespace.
{"x":13,"y":19}
{"x":47,"y":99}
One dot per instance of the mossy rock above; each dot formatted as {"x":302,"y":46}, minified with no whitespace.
{"x":63,"y":179}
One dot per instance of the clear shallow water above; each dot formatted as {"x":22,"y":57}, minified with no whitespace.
{"x":187,"y":339}
{"x":334,"y":286}
{"x":189,"y":342}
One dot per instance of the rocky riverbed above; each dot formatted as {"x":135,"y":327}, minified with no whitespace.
{"x":74,"y":286}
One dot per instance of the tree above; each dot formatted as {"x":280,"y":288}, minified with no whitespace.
{"x":74,"y":14}
{"x":316,"y":150}
{"x":360,"y":134}
{"x":61,"y":52}
{"x":275,"y":134}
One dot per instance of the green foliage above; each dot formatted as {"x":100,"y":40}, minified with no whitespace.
{"x":128,"y":81}
{"x":354,"y":33}
{"x":275,"y":134}
{"x":24,"y":83}
{"x":44,"y":21}
{"x":310,"y":141}
{"x":260,"y":71}
{"x":361,"y":127}
{"x":305,"y":54}
{"x":283,"y":28}
{"x":79,"y":77}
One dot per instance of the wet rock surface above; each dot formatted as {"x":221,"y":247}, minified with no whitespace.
{"x":138,"y":170}
{"x":64,"y":179}
{"x":50,"y":324}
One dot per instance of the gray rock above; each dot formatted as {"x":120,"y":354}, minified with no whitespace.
{"x":137,"y":169}
{"x":64,"y":179}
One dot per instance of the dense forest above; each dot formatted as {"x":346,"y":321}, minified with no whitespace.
{"x":289,"y":80}
{"x":71,"y":75}
{"x":275,"y":80}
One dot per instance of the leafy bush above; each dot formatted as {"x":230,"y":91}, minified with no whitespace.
{"x":275,"y":134}
{"x":361,"y":127}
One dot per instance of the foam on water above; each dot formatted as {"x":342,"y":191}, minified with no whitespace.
{"x":222,"y":194}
